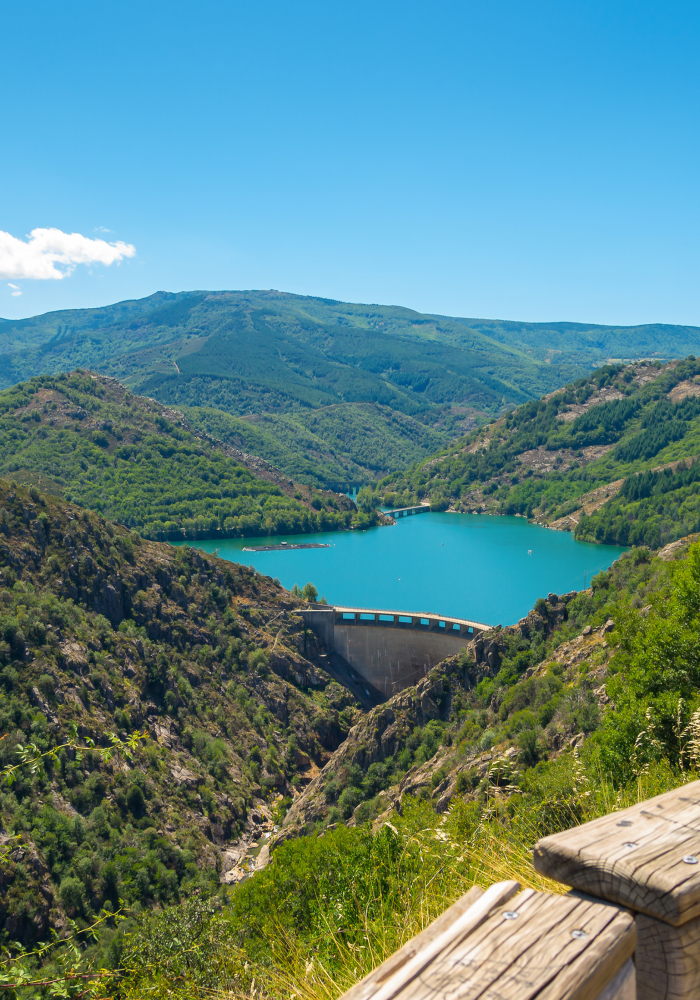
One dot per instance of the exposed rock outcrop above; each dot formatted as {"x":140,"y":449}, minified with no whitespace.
{"x":384,"y":732}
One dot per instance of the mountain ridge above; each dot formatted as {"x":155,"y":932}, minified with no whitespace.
{"x":275,"y":356}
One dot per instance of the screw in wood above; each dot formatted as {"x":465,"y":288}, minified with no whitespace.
{"x":511,"y":915}
{"x":579,"y":934}
{"x":690,"y":859}
{"x":625,"y":822}
{"x":630,"y":844}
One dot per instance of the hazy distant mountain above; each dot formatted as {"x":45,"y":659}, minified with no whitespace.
{"x":258,"y":353}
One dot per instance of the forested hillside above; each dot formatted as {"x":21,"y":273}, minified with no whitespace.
{"x":103,"y":633}
{"x":339,"y":445}
{"x":106,"y":636}
{"x":269,"y":355}
{"x":86,"y":438}
{"x":589,"y":703}
{"x":611,"y":457}
{"x":536,"y":728}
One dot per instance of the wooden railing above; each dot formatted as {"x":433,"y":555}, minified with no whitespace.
{"x":629,"y":929}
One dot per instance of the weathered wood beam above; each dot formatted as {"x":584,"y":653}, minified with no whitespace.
{"x":646,"y":857}
{"x":525,"y":946}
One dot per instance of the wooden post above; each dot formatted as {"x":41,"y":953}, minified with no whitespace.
{"x":513,"y":945}
{"x":647,"y":858}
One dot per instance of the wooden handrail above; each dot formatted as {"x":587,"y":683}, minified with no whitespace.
{"x":513,"y":945}
{"x":647,"y":858}
{"x":635,"y":881}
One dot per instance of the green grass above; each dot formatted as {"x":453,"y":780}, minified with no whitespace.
{"x":330,"y":910}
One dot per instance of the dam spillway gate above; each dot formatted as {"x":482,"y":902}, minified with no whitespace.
{"x":390,"y":650}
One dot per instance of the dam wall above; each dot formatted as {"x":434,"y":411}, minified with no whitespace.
{"x":391,"y":650}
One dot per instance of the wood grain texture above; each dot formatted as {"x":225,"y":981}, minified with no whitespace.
{"x":535,"y":955}
{"x":471,"y":919}
{"x":668,"y":959}
{"x":623,"y":986}
{"x":367,"y":986}
{"x":635,"y":856}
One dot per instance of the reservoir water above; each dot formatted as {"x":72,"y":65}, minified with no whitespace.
{"x":485,"y":568}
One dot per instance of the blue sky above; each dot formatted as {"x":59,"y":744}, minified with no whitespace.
{"x":497,"y":159}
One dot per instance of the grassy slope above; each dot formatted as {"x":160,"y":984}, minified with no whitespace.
{"x":555,"y":460}
{"x":271,"y":353}
{"x":131,"y":459}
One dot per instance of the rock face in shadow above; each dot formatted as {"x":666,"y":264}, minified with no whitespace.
{"x":382,"y":733}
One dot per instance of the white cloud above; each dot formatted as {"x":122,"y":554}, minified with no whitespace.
{"x":52,"y":254}
{"x":17,"y":289}
{"x":101,"y":229}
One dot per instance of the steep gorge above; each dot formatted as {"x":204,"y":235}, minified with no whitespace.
{"x":108,"y":632}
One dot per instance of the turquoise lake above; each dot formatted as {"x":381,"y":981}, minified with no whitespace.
{"x":485,"y":568}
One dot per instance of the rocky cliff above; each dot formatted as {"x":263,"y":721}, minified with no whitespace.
{"x":115,"y":634}
{"x":426,"y":739}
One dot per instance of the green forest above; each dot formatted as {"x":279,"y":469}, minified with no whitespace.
{"x":329,"y":447}
{"x":93,"y":442}
{"x":538,"y":462}
{"x":119,"y":840}
{"x":266,"y":352}
{"x":651,"y":508}
{"x":140,"y":703}
{"x":330,"y":392}
{"x":293,"y":349}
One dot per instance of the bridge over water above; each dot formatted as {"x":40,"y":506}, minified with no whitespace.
{"x":390,"y":650}
{"x":421,"y":508}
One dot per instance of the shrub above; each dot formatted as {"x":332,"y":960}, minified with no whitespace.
{"x":467,"y":781}
{"x":135,"y":800}
{"x":258,"y":661}
{"x":71,"y":894}
{"x":348,"y":801}
{"x":530,"y":750}
{"x":47,"y":685}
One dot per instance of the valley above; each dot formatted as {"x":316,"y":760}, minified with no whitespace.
{"x":258,"y":751}
{"x":474,"y":566}
{"x":187,"y":764}
{"x":349,"y":628}
{"x":86,"y":438}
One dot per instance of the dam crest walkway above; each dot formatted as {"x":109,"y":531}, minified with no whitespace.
{"x":390,"y":650}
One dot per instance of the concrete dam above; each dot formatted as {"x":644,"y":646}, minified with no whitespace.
{"x":389,"y":650}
